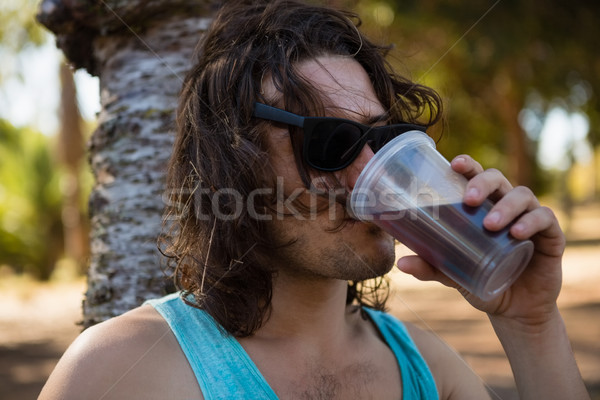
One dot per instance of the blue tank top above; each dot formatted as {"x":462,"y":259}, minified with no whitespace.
{"x":225,"y":371}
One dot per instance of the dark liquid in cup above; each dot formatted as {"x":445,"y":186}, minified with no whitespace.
{"x":447,"y":236}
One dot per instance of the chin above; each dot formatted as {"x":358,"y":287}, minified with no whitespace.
{"x":374,"y":247}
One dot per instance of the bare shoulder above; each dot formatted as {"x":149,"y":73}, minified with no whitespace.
{"x":131,"y":356}
{"x":453,"y":376}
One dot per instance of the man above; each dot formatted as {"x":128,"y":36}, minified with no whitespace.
{"x":264,"y":251}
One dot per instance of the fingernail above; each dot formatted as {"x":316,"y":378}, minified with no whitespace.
{"x":518,"y":227}
{"x":473,"y":193}
{"x":401,"y":265}
{"x":493,"y":217}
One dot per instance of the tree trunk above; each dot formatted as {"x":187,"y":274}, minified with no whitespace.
{"x":519,"y":156}
{"x":71,"y":154}
{"x":508,"y":103}
{"x":141,"y":72}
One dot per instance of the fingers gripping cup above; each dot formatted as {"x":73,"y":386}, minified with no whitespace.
{"x":409,"y":189}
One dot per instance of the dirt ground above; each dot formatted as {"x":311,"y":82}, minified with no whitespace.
{"x":37,"y":323}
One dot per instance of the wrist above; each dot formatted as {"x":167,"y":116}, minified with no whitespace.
{"x":540,"y":323}
{"x":540,"y":356}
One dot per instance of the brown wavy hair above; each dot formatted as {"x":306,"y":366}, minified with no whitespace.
{"x":220,"y":254}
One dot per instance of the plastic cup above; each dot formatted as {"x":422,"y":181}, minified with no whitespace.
{"x":409,"y":189}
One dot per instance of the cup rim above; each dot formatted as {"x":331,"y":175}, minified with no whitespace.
{"x":371,"y":173}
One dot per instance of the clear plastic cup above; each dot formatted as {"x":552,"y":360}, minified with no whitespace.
{"x":409,"y":189}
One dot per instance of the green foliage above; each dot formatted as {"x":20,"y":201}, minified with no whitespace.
{"x":30,"y":202}
{"x":489,"y":58}
{"x":17,"y":24}
{"x":18,"y":31}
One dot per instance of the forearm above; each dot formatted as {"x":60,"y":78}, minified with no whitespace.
{"x":541,"y":358}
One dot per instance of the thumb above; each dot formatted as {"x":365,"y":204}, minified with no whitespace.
{"x":423,"y":271}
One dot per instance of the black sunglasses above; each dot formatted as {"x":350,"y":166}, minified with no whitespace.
{"x":331,"y":144}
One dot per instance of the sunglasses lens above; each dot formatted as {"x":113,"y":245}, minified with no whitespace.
{"x":333,"y":144}
{"x":383,"y":135}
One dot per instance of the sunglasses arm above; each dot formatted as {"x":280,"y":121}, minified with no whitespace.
{"x":275,"y":114}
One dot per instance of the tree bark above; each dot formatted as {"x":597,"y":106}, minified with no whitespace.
{"x":141,"y":53}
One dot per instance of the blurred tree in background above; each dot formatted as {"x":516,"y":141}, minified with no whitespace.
{"x":40,"y":176}
{"x":503,"y":68}
{"x":30,"y":202}
{"x":18,"y":30}
{"x":29,"y":195}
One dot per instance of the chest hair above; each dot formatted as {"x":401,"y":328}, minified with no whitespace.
{"x":353,"y":382}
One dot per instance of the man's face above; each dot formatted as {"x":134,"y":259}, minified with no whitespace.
{"x":358,"y":250}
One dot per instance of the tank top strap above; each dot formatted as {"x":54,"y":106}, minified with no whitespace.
{"x":417,"y":381}
{"x":222,"y":367}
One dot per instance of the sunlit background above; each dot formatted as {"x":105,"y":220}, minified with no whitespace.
{"x":502,"y":78}
{"x":520,"y":80}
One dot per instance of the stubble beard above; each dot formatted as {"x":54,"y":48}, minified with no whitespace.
{"x":342,"y":260}
{"x":358,"y":267}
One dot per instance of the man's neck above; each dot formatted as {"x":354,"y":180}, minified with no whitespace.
{"x":314,"y":346}
{"x":310,"y":310}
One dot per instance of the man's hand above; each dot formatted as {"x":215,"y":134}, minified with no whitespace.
{"x":525,"y":317}
{"x":532,"y":298}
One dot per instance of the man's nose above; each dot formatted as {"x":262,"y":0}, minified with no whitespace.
{"x":353,"y":170}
